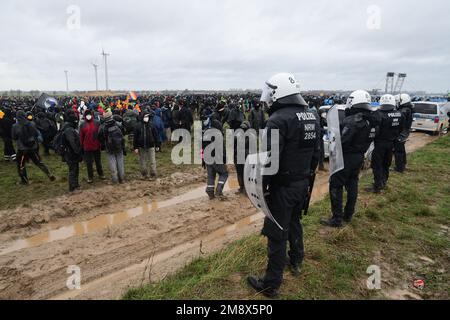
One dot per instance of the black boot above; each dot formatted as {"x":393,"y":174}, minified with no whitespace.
{"x":333,"y":223}
{"x":259,"y":286}
{"x":210,"y":195}
{"x":373,"y":189}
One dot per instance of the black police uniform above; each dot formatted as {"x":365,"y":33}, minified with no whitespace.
{"x":390,"y":127}
{"x":400,"y":150}
{"x":299,"y":132}
{"x":359,"y":130}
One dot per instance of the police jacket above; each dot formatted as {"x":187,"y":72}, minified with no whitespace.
{"x":359,"y":130}
{"x":407,"y":115}
{"x":299,"y":136}
{"x":390,"y":126}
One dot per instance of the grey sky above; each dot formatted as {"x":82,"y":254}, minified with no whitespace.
{"x":209,"y":44}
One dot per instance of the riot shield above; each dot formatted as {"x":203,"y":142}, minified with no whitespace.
{"x":334,"y":135}
{"x":253,"y":178}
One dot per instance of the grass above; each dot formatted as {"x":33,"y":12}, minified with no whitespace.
{"x":12,"y":194}
{"x":392,"y":230}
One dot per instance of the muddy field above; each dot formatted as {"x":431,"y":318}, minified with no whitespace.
{"x":121,"y":238}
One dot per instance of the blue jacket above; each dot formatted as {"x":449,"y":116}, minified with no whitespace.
{"x":159,"y":125}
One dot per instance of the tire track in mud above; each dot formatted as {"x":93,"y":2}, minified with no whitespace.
{"x":147,"y":247}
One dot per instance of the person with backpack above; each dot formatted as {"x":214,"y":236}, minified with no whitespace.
{"x":67,"y":144}
{"x":91,"y":145}
{"x":111,"y":137}
{"x":25,"y":134}
{"x":48,"y":130}
{"x":130,"y":120}
{"x":146,"y":140}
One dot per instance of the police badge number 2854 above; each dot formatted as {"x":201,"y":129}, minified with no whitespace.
{"x":227,"y":310}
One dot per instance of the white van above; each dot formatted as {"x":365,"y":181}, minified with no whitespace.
{"x":430,"y":116}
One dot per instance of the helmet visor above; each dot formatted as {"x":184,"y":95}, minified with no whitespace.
{"x":267,"y":94}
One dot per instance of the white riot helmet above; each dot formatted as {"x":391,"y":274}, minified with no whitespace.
{"x":387,"y":102}
{"x":282,"y":88}
{"x":403,"y":99}
{"x":360,"y":99}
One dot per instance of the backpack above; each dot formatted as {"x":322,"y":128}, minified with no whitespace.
{"x":130,"y":122}
{"x":28,"y":135}
{"x":59,"y":144}
{"x":114,"y":139}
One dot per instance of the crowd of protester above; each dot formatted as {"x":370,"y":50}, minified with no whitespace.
{"x":85,"y":128}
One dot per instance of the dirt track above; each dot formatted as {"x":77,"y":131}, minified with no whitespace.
{"x":122,"y":237}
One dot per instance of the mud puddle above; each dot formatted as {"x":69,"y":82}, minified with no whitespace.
{"x":106,"y":221}
{"x":159,"y":266}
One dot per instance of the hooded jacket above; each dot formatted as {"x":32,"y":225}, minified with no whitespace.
{"x":71,"y":138}
{"x":89,"y":134}
{"x":145,"y":134}
{"x":24,"y":125}
{"x":159,"y":125}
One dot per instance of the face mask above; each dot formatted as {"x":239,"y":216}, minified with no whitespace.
{"x":89,"y":118}
{"x":146,"y":119}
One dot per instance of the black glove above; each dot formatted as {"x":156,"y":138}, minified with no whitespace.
{"x":124,"y":152}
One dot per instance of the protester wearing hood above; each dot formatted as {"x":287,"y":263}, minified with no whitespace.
{"x":6,"y":124}
{"x":111,"y":136}
{"x":26,"y":136}
{"x":167,"y":121}
{"x":73,"y":151}
{"x":159,"y":126}
{"x":146,"y":140}
{"x":90,"y":145}
{"x":257,"y":117}
{"x":214,"y":168}
{"x":235,"y":116}
{"x":186,"y":118}
{"x":47,"y":128}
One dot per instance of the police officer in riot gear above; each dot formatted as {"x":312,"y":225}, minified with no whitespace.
{"x":299,"y":133}
{"x":390,"y":127}
{"x":358,"y":132}
{"x":405,"y":106}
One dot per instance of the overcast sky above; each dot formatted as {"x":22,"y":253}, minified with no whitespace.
{"x":209,"y":44}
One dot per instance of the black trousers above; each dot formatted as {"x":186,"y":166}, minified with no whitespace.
{"x":400,"y":156}
{"x":213,"y":171}
{"x":240,"y":175}
{"x":90,"y":157}
{"x":348,"y":178}
{"x":381,"y":162}
{"x":322,"y":153}
{"x":74,"y":171}
{"x":23,"y":157}
{"x":285,"y":203}
{"x":9,"y":152}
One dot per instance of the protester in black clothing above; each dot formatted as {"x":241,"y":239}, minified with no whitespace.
{"x":73,"y":151}
{"x":26,"y":136}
